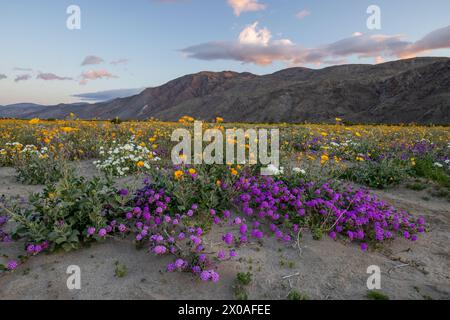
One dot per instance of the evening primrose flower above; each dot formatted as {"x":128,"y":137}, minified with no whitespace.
{"x":273,"y":170}
{"x":298,"y":170}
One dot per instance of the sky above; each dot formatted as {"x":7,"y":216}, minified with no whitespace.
{"x":124,"y":46}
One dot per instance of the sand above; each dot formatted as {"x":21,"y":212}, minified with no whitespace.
{"x":322,"y":269}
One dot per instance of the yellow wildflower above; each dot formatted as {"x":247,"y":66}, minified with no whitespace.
{"x":140,"y":164}
{"x":324,"y":159}
{"x":178,"y":174}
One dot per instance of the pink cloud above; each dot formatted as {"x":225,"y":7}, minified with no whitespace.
{"x":262,"y":50}
{"x":95,"y":75}
{"x":302,"y":14}
{"x":240,"y":6}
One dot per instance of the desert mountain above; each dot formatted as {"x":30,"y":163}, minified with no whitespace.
{"x":414,"y":90}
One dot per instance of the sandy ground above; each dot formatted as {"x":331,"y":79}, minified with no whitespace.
{"x":320,"y":269}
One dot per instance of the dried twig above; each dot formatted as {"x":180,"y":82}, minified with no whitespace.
{"x":290,"y":276}
{"x":398,"y":266}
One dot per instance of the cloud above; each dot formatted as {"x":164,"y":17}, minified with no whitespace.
{"x":252,"y":36}
{"x":51,"y":76}
{"x":256,"y":46}
{"x":95,"y":75}
{"x":23,"y":77}
{"x":240,"y":6}
{"x":23,"y":69}
{"x":108,"y":95}
{"x":119,"y":61}
{"x":302,"y":14}
{"x":3,"y":76}
{"x":90,"y":60}
{"x":437,"y":39}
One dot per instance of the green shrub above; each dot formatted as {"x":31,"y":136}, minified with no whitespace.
{"x":295,"y":295}
{"x":426,"y":168}
{"x":244,"y":278}
{"x":373,"y":174}
{"x":376,"y":295}
{"x":120,"y":270}
{"x":240,"y":293}
{"x":62,"y":213}
{"x":36,"y":170}
{"x":416,"y":186}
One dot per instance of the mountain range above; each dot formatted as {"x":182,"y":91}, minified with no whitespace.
{"x":404,"y":91}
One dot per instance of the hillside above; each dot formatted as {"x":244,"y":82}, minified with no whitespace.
{"x":415,"y":90}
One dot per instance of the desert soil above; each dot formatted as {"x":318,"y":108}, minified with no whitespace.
{"x":322,"y":269}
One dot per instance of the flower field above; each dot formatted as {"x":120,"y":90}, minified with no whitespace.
{"x":336,"y":183}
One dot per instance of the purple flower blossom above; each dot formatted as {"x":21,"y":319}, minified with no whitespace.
{"x":102,"y":232}
{"x":214,"y":276}
{"x":90,"y":231}
{"x":243,"y":229}
{"x":160,"y":250}
{"x":205,"y":276}
{"x":123,"y":192}
{"x":30,"y":248}
{"x":221,"y":255}
{"x":12,"y":265}
{"x":180,"y":263}
{"x":228,"y":238}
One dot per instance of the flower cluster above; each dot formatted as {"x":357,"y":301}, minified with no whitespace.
{"x":35,"y":249}
{"x":12,"y":152}
{"x":357,"y":215}
{"x":125,"y":159}
{"x":111,"y":228}
{"x":156,"y":224}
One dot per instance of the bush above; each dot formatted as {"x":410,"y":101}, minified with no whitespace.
{"x":60,"y":216}
{"x":295,"y":295}
{"x":373,"y":174}
{"x":37,"y":169}
{"x":376,"y":295}
{"x":426,"y":168}
{"x":244,"y":278}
